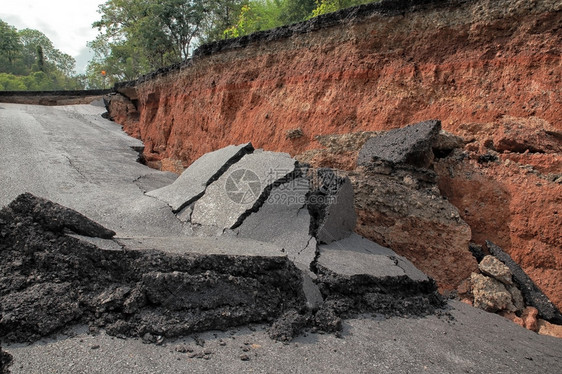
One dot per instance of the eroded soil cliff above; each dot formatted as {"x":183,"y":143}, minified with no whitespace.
{"x":489,"y":70}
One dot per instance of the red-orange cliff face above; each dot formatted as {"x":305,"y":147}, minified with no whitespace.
{"x":467,"y":63}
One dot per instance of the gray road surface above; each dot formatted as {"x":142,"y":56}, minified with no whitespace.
{"x":474,"y":342}
{"x":71,"y":155}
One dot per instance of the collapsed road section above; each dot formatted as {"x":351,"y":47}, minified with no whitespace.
{"x":272,"y":242}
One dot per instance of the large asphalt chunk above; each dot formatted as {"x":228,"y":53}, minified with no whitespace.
{"x":56,"y":217}
{"x":532,"y":294}
{"x":330,"y":203}
{"x":359,"y":276}
{"x":284,"y":220}
{"x":243,"y":189}
{"x":356,"y":255}
{"x":194,"y":180}
{"x":410,"y":145}
{"x":170,"y":286}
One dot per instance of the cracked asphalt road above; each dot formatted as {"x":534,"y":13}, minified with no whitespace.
{"x":72,"y":156}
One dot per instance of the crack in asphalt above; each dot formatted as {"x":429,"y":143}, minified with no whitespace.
{"x":72,"y":165}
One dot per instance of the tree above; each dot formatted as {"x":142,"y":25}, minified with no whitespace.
{"x":221,"y":15}
{"x":296,"y":10}
{"x":29,"y":61}
{"x":10,"y":46}
{"x":260,"y":15}
{"x":52,"y":58}
{"x":137,"y":36}
{"x":40,"y":58}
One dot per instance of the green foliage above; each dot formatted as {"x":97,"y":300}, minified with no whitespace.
{"x":39,"y":81}
{"x":10,"y":47}
{"x":329,"y":6}
{"x":221,"y":15}
{"x":248,"y":21}
{"x":137,"y":36}
{"x":29,"y":61}
{"x":259,"y":15}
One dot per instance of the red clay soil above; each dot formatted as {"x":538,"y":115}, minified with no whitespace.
{"x":516,"y":200}
{"x":474,"y":63}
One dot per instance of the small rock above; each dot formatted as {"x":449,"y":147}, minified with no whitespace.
{"x":517,"y":297}
{"x":183,"y":349}
{"x":288,"y":326}
{"x":245,"y":357}
{"x":197,"y":355}
{"x":496,"y":269}
{"x":95,"y":346}
{"x":529,"y":316}
{"x":547,"y":328}
{"x":327,"y":320}
{"x":513,"y":317}
{"x":148,"y":338}
{"x":490,"y":294}
{"x":294,"y":133}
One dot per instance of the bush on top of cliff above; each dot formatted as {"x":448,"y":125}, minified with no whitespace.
{"x":259,"y":15}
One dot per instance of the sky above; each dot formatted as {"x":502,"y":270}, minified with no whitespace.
{"x":67,"y":23}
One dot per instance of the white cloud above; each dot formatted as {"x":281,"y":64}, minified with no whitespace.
{"x":66,"y":22}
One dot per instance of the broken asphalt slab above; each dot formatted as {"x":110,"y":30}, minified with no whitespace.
{"x":57,"y":218}
{"x":191,"y":184}
{"x":196,"y":284}
{"x":356,"y":255}
{"x":243,"y":189}
{"x":408,"y":145}
{"x":284,"y":220}
{"x":358,"y":276}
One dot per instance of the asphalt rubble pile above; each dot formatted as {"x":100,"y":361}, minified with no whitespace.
{"x":272,"y":241}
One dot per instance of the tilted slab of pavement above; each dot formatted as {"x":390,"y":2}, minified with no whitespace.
{"x":232,"y":197}
{"x":284,"y":220}
{"x":194,"y":180}
{"x":356,"y":255}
